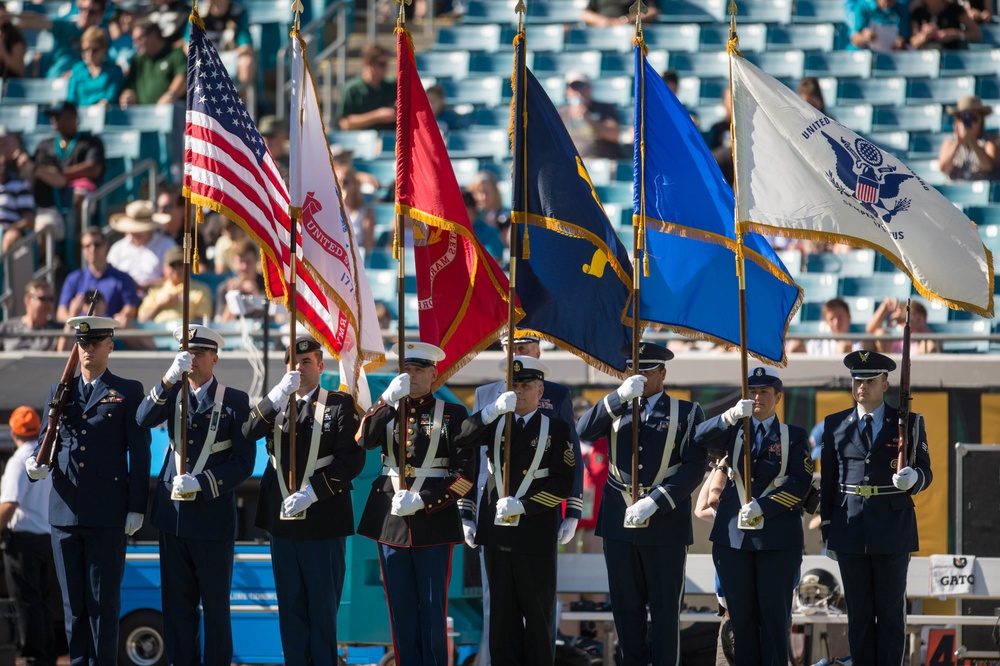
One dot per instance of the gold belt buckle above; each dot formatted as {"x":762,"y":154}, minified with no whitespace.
{"x":410,"y":472}
{"x":866,"y":491}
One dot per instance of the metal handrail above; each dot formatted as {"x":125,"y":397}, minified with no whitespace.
{"x":46,"y":270}
{"x":339,"y":45}
{"x":90,"y":201}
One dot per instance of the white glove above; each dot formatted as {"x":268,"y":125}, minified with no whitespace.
{"x":631,"y":388}
{"x":406,"y":503}
{"x":742,"y":409}
{"x":508,"y":507}
{"x":504,"y":404}
{"x":398,"y":388}
{"x":34,"y":470}
{"x":750,"y":511}
{"x":469,"y":529}
{"x":185,"y":484}
{"x":288,"y":385}
{"x":567,"y":528}
{"x":299,"y":501}
{"x":133,"y":521}
{"x":181,"y":364}
{"x":640,"y":511}
{"x":905,"y":479}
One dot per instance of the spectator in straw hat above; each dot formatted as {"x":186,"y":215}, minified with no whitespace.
{"x":27,"y":555}
{"x":141,"y":252}
{"x":164,"y":302}
{"x":969,"y":154}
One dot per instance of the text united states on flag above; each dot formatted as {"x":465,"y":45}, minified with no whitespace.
{"x":228,"y":169}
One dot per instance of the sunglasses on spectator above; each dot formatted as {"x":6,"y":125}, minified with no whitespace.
{"x":44,"y":299}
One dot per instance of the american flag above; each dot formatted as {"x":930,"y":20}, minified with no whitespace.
{"x":228,"y":168}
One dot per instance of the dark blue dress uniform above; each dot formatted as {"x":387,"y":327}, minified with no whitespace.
{"x":100,"y":474}
{"x":415,"y":550}
{"x":521,"y":559}
{"x":198,"y":537}
{"x":866,"y":520}
{"x":308,"y":555}
{"x":759,"y":568}
{"x":646,"y":564}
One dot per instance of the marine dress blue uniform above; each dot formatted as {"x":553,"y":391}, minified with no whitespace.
{"x":198,"y":537}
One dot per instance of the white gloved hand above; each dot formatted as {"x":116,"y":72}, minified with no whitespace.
{"x":133,"y":521}
{"x":631,"y":388}
{"x":567,"y":529}
{"x":185,"y":484}
{"x":398,"y":388}
{"x":181,"y":364}
{"x":288,"y":385}
{"x":740,"y":410}
{"x":299,"y":501}
{"x":469,"y":529}
{"x":508,"y":507}
{"x":34,"y":470}
{"x":905,"y":479}
{"x":750,"y":511}
{"x":406,"y":503}
{"x":502,"y":405}
{"x":640,"y":511}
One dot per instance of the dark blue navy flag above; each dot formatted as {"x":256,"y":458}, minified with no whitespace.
{"x":574,"y":275}
{"x":689,"y":280}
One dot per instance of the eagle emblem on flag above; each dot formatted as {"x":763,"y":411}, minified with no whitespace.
{"x":863,"y":175}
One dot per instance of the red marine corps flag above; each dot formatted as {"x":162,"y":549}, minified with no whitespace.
{"x":462,"y":291}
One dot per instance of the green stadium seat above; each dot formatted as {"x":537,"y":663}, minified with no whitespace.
{"x":925,"y":145}
{"x":688,"y":11}
{"x":480,"y":91}
{"x":498,"y":63}
{"x":701,"y":64}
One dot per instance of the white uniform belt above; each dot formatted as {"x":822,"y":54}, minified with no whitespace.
{"x":870,"y":491}
{"x":416,"y":472}
{"x":222,"y":446}
{"x":622,"y":487}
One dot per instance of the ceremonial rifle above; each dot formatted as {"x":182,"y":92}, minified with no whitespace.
{"x":904,"y":395}
{"x":61,"y":395}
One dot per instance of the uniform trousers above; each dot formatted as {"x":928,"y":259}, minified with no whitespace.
{"x":641,"y":576}
{"x":875,"y":592}
{"x":31,"y":580}
{"x":524,"y":592}
{"x":416,"y":590}
{"x":90,"y":563}
{"x":759,"y":585}
{"x":306,"y":571}
{"x":194,"y":571}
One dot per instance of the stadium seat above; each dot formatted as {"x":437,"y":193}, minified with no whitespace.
{"x":615,"y":38}
{"x":878,"y":285}
{"x":443,"y":64}
{"x":839,"y":64}
{"x":925,"y":145}
{"x":990,"y":233}
{"x":858,"y":117}
{"x":862,"y":307}
{"x":21,"y":118}
{"x":970,"y":63}
{"x":92,"y":118}
{"x":554,"y":12}
{"x":555,"y":88}
{"x":688,"y":11}
{"x":985,"y":216}
{"x":818,"y":11}
{"x":480,"y":91}
{"x":540,"y":38}
{"x":490,"y":11}
{"x":615,"y":193}
{"x":364,"y":144}
{"x":753,"y":37}
{"x":383,"y":282}
{"x":701,"y":64}
{"x":617,"y":90}
{"x":974,"y":327}
{"x":818,"y":287}
{"x":851,"y":263}
{"x":941,"y":90}
{"x":43,"y":92}
{"x":817,"y":37}
{"x":896,"y":143}
{"x":491,"y":117}
{"x":560,"y":64}
{"x":991,"y":36}
{"x":500,"y":63}
{"x":712,"y":90}
{"x":470,"y":38}
{"x":919,"y":118}
{"x":907,"y":63}
{"x":988,"y":88}
{"x":891,"y":91}
{"x":828,"y":86}
{"x":465,"y":170}
{"x":765,"y":11}
{"x":676,"y":37}
{"x":384,"y":169}
{"x":710,"y":114}
{"x":478,"y":143}
{"x":929,"y":171}
{"x":792,"y":260}
{"x":973,"y":193}
{"x":617,"y":64}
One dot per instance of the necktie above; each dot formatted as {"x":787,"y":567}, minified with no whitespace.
{"x":193,"y":401}
{"x":520,"y":422}
{"x":301,"y":405}
{"x":87,"y":390}
{"x":758,"y":442}
{"x":643,"y":403}
{"x":866,"y":431}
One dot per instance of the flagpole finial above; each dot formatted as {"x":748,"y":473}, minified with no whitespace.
{"x":639,"y":9}
{"x":520,"y":9}
{"x":297,"y":9}
{"x":401,"y":19}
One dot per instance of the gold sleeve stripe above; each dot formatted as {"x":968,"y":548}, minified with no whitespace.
{"x":785,"y":497}
{"x":569,"y":458}
{"x":461,"y":486}
{"x":547,"y":499}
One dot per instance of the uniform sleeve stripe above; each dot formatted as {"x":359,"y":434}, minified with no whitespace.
{"x":460,"y":486}
{"x":574,"y":503}
{"x":546,"y":499}
{"x":213,"y":486}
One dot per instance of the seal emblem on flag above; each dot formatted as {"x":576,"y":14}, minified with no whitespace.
{"x":863,"y":175}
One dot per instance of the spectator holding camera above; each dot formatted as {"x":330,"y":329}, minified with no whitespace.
{"x":889,"y":318}
{"x":969,"y":154}
{"x":246,"y":283}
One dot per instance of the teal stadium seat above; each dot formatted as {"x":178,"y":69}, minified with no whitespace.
{"x":481,"y":91}
{"x":491,"y":117}
{"x":615,"y":38}
{"x":689,"y":91}
{"x":878,"y":285}
{"x":985,"y":216}
{"x":540,"y":38}
{"x":615,"y":193}
{"x":687,"y":11}
{"x":616,"y":64}
{"x":858,"y":117}
{"x":973,"y":193}
{"x":764,"y":11}
{"x":493,"y":144}
{"x":988,"y":87}
{"x":818,"y":11}
{"x":498,"y":63}
{"x":384,"y":169}
{"x":615,"y":90}
{"x":702,"y":64}
{"x":475,"y":38}
{"x":973,"y":327}
{"x":828,"y":85}
{"x":816,"y":286}
{"x":672,"y":37}
{"x":860,"y":262}
{"x":907,"y":63}
{"x":990,"y":233}
{"x":941,"y":90}
{"x":753,"y":38}
{"x":365,"y":144}
{"x":270,"y":22}
{"x":897,"y":142}
{"x":991,"y":36}
{"x":92,"y":118}
{"x":839,"y":64}
{"x":862,"y":307}
{"x":816,"y":37}
{"x":925,"y":145}
{"x":43,"y":92}
{"x":891,"y":91}
{"x":443,"y":64}
{"x":970,"y":63}
{"x":792,"y":260}
{"x":919,"y":118}
{"x":21,"y":118}
{"x":781,"y":64}
{"x":465,"y":170}
{"x":560,"y":64}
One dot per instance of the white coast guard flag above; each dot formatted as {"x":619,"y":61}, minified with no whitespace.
{"x":328,"y":250}
{"x":802,"y":174}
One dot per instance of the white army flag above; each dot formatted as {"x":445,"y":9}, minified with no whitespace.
{"x":328,"y":248}
{"x":801,"y":174}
